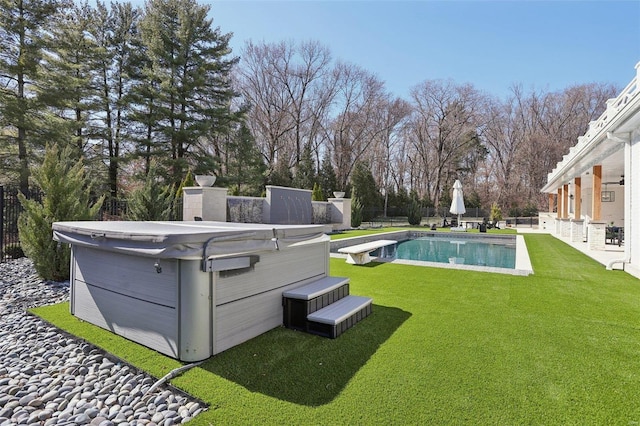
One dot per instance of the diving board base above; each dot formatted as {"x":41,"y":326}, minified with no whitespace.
{"x":359,"y":254}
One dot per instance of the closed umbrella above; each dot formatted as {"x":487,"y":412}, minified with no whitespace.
{"x":457,"y":202}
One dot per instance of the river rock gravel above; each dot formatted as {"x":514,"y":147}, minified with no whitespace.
{"x":48,"y":377}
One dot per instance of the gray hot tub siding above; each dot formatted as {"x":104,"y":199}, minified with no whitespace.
{"x":172,"y":312}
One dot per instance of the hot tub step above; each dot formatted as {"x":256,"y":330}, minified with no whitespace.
{"x":340,"y":316}
{"x":316,"y":288}
{"x":304,"y":300}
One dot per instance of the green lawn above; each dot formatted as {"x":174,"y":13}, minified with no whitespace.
{"x":442,"y":346}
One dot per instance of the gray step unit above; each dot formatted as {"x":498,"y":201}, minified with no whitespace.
{"x":338,"y":317}
{"x":302,"y":301}
{"x":324,"y":307}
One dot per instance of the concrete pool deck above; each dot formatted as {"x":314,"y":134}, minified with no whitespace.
{"x":522,"y":267}
{"x":611,"y":252}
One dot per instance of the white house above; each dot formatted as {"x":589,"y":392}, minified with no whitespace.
{"x":596,"y":186}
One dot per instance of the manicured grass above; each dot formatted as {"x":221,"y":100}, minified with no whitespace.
{"x":441,"y":347}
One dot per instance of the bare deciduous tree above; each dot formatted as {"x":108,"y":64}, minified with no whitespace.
{"x":551,"y":123}
{"x":385,"y":150}
{"x":445,"y":118}
{"x":286,"y":87}
{"x":359,"y":95}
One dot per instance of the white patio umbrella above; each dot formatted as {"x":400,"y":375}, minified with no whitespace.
{"x":457,"y":201}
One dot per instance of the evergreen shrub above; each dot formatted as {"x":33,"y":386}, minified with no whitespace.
{"x":414,"y":213}
{"x":151,"y":201}
{"x":356,"y":212}
{"x":317,"y":194}
{"x":67,"y":197}
{"x":496,"y":213}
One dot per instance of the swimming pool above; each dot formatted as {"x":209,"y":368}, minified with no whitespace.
{"x":477,"y":252}
{"x":504,"y":254}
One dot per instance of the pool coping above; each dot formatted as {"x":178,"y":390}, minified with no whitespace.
{"x":523,"y":262}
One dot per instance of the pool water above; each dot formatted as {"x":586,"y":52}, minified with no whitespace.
{"x":498,"y":254}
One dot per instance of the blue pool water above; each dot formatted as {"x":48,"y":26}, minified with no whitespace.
{"x":498,"y":254}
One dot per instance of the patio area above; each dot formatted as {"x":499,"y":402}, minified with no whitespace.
{"x":594,"y":191}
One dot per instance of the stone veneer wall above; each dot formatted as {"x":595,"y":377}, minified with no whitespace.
{"x":321,"y":212}
{"x":282,"y":205}
{"x":577,"y":227}
{"x":565,"y":228}
{"x":597,"y":235}
{"x":245,"y":209}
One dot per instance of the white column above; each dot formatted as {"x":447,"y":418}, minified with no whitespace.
{"x":206,"y":203}
{"x":340,"y":213}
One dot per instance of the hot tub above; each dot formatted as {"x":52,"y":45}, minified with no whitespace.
{"x":189,"y":290}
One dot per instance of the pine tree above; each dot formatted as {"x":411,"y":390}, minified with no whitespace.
{"x":189,"y":71}
{"x":327,"y":177}
{"x":142,"y":100}
{"x":281,"y":175}
{"x":364,"y":188}
{"x":153,"y":200}
{"x":23,"y":26}
{"x":305,"y":170}
{"x":414,"y":212}
{"x":67,"y":197}
{"x":245,"y":168}
{"x":116,"y":35}
{"x":69,"y":83}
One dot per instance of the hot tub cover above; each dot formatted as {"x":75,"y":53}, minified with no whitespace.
{"x":184,"y":239}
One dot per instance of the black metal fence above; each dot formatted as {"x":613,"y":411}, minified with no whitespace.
{"x":10,"y":210}
{"x":117,"y":209}
{"x":429,"y":214}
{"x":442,"y":217}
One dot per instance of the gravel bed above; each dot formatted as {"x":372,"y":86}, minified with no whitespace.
{"x":48,"y":377}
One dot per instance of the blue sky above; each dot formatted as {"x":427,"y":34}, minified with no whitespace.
{"x":543,"y":45}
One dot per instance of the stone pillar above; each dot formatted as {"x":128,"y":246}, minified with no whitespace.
{"x":551,"y":203}
{"x":559,"y":206}
{"x":565,"y":228}
{"x":558,"y":226}
{"x":565,"y":201}
{"x":597,"y":235}
{"x":340,"y":212}
{"x":206,"y":203}
{"x":577,"y":225}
